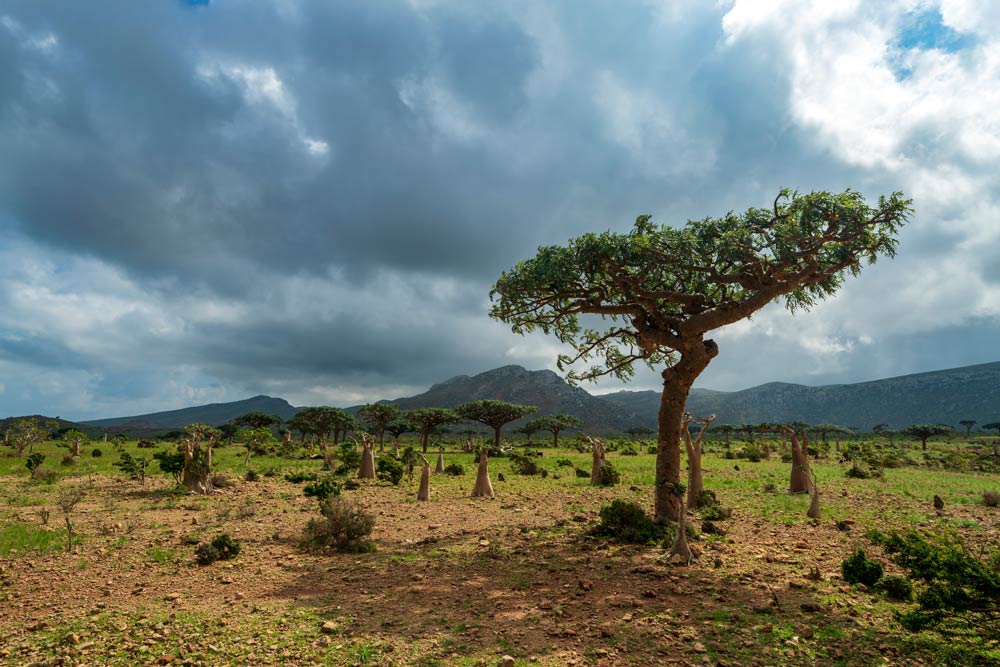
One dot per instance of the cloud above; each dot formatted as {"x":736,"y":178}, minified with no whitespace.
{"x":312,"y":199}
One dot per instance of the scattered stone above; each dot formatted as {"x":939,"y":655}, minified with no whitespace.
{"x":810,"y":607}
{"x":328,"y":627}
{"x":172,"y":597}
{"x":507,"y":661}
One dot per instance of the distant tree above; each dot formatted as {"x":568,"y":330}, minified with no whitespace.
{"x":662,"y":290}
{"x":228,"y":433}
{"x":427,"y":419}
{"x":924,"y":431}
{"x":322,"y":421}
{"x":886,"y":432}
{"x":528,"y":429}
{"x":73,"y":440}
{"x":378,"y":416}
{"x":639,"y":431}
{"x":726,"y":430}
{"x":257,"y":419}
{"x":993,"y":426}
{"x":554,"y":424}
{"x":968,"y":424}
{"x":24,"y":434}
{"x":396,"y":428}
{"x":494,"y":414}
{"x":824,"y":430}
{"x":259,"y":440}
{"x":196,"y":445}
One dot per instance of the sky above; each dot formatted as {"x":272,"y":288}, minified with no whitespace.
{"x":201,"y":201}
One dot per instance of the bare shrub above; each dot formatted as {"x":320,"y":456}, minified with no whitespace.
{"x":344,"y":526}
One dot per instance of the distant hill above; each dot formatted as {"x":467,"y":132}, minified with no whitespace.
{"x":545,"y":389}
{"x":51,"y":424}
{"x":946,"y":396}
{"x":212,"y":414}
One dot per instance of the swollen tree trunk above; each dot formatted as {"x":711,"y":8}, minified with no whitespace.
{"x":197,"y":476}
{"x":440,"y":463}
{"x":799,"y":480}
{"x":425,"y":481}
{"x":679,"y":550}
{"x":367,"y":468}
{"x":483,"y":487}
{"x":496,"y":437}
{"x":677,"y":381}
{"x":694,"y":451}
{"x":424,"y":437}
{"x":555,"y":438}
{"x":597,"y":453}
{"x":813,"y":512}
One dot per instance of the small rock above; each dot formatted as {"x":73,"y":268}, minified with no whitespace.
{"x":810,"y":606}
{"x":507,"y":661}
{"x":172,"y":597}
{"x":328,"y":627}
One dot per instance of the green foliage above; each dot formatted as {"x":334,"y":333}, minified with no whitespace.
{"x":554,"y":424}
{"x":344,"y":527}
{"x":24,"y":434}
{"x":299,"y":476}
{"x":960,"y":592}
{"x":698,"y":277}
{"x":350,"y":457}
{"x":581,"y":473}
{"x":454,"y":469}
{"x":525,"y":465}
{"x":608,"y":475}
{"x":378,"y":415}
{"x":896,"y":588}
{"x":924,"y":431}
{"x":96,"y":453}
{"x":171,"y":463}
{"x":222,"y":547}
{"x":134,"y":467}
{"x":22,"y":537}
{"x":257,"y":419}
{"x":715,"y":512}
{"x":859,"y":569}
{"x":564,"y":463}
{"x":627,"y":522}
{"x":322,"y":489}
{"x":389,"y":469}
{"x":33,"y":461}
{"x":321,"y":421}
{"x":493,"y":413}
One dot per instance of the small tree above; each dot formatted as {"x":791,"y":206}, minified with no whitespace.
{"x":494,"y":414}
{"x":799,"y":481}
{"x":378,"y":416}
{"x":68,"y":500}
{"x":993,"y":426}
{"x":259,"y":440}
{"x":171,"y":463}
{"x":73,"y":440}
{"x":968,"y":424}
{"x":924,"y":431}
{"x":24,"y":434}
{"x":322,"y":421}
{"x":196,"y":445}
{"x":397,"y":428}
{"x":662,"y":290}
{"x":554,"y":424}
{"x":427,"y":419}
{"x":695,"y":450}
{"x":257,"y":419}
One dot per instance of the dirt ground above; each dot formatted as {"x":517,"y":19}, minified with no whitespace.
{"x":455,"y":581}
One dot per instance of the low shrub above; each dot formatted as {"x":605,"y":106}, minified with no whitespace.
{"x":525,"y":465}
{"x":628,"y":450}
{"x":344,"y":527}
{"x":857,"y":472}
{"x":171,"y":463}
{"x":33,"y":462}
{"x":608,"y":475}
{"x":454,"y":469}
{"x":896,"y":588}
{"x":323,"y":488}
{"x":715,"y":513}
{"x":67,"y":460}
{"x":351,"y":484}
{"x":580,"y":472}
{"x":564,"y":463}
{"x":627,"y":522}
{"x":251,"y":475}
{"x":221,"y":480}
{"x":389,"y":469}
{"x":96,"y":453}
{"x":651,"y":449}
{"x":706,"y":498}
{"x":222,"y":547}
{"x":991,"y":499}
{"x":859,"y":569}
{"x":146,"y":444}
{"x":299,"y":476}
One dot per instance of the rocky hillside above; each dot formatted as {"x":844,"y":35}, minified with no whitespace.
{"x":212,"y":414}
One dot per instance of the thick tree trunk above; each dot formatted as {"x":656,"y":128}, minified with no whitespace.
{"x":679,"y":550}
{"x":439,"y":467}
{"x":496,"y":437}
{"x":197,"y":477}
{"x":425,"y":482}
{"x":367,"y":468}
{"x":424,"y":437}
{"x":677,"y":381}
{"x":483,"y":487}
{"x":799,"y":479}
{"x":813,"y":512}
{"x":597,"y":454}
{"x":555,"y":438}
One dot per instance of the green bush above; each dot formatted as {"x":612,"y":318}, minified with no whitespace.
{"x":299,"y":476}
{"x":991,"y":499}
{"x":351,"y":484}
{"x":706,"y":498}
{"x":389,"y":469}
{"x":859,"y":569}
{"x":96,"y":453}
{"x":321,"y":489}
{"x":715,"y":513}
{"x":171,"y":463}
{"x":525,"y":465}
{"x":344,"y":527}
{"x":564,"y":463}
{"x":628,"y":450}
{"x":33,"y":461}
{"x":960,"y":592}
{"x":251,"y":475}
{"x":896,"y":588}
{"x":580,"y":472}
{"x":222,"y":547}
{"x":608,"y":475}
{"x":454,"y":469}
{"x":627,"y":522}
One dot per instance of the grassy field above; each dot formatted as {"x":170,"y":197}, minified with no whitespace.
{"x":462,"y":581}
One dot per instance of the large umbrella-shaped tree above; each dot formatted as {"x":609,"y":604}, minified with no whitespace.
{"x":656,"y":292}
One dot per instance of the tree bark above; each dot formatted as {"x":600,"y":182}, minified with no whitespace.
{"x":367,"y":468}
{"x":555,"y":438}
{"x":799,"y":479}
{"x":694,"y":451}
{"x":425,"y":481}
{"x":680,"y":548}
{"x":483,"y":487}
{"x":597,"y":453}
{"x":677,"y":381}
{"x":440,"y":463}
{"x":424,"y":437}
{"x":197,"y":476}
{"x":496,"y":438}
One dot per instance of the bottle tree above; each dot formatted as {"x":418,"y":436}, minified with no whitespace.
{"x":657,"y":292}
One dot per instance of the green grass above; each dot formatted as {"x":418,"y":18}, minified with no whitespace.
{"x":21,"y":538}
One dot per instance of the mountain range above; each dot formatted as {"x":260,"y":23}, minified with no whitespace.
{"x":945,"y":396}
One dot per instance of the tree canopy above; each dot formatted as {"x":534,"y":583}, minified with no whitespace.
{"x":924,"y":431}
{"x":493,"y":413}
{"x":656,"y":291}
{"x":257,"y":419}
{"x":427,"y":419}
{"x":554,"y":424}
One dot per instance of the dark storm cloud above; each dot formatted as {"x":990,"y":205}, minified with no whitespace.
{"x":201,"y":200}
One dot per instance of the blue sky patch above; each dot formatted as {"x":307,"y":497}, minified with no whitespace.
{"x":926,"y":30}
